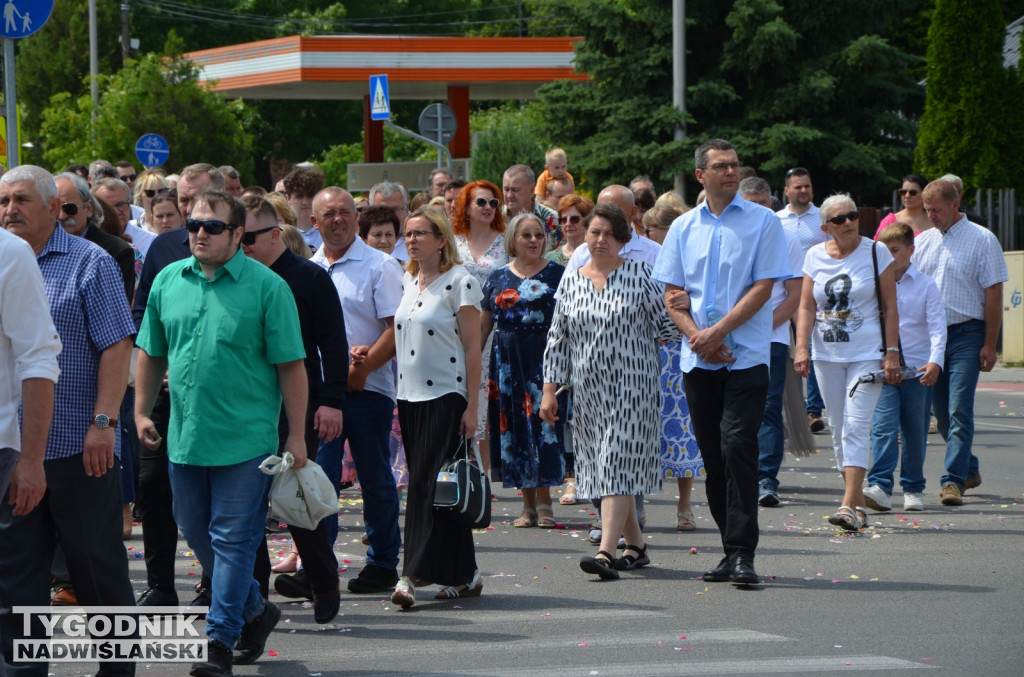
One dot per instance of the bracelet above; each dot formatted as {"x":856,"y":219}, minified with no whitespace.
{"x":892,"y":349}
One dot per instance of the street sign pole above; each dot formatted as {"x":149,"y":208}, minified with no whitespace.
{"x":11,"y":105}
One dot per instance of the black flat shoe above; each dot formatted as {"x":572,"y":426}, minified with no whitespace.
{"x":600,"y":564}
{"x":720,"y":574}
{"x":743,"y":572}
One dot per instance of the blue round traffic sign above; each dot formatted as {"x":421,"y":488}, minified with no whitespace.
{"x":152,"y":150}
{"x":22,"y":18}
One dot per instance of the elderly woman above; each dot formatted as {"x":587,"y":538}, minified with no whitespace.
{"x":911,"y":191}
{"x":572,"y":209}
{"x":839,"y":311}
{"x":379,"y":228}
{"x":519,"y":300}
{"x":605,"y":333}
{"x":437,"y":342}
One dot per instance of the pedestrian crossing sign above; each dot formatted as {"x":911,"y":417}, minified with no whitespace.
{"x":380,"y":99}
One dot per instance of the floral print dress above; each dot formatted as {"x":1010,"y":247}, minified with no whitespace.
{"x":531,"y":451}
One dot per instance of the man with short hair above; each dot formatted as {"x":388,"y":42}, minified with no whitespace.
{"x":193,"y":179}
{"x":300,"y":187}
{"x":958,"y":183}
{"x":784,"y":301}
{"x":323,"y":335}
{"x":116,"y":194}
{"x":126,"y":172}
{"x":393,"y":195}
{"x":101,"y":169}
{"x":801,"y":217}
{"x":517,"y":186}
{"x":94,"y":325}
{"x":642,"y":182}
{"x":439,"y":178}
{"x":232,"y":180}
{"x":638,"y":248}
{"x":451,"y":191}
{"x":967,"y":264}
{"x":556,"y":190}
{"x":726,"y":254}
{"x":369,"y":284}
{"x":226,"y":332}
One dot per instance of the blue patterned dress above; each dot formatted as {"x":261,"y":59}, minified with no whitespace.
{"x":521,"y":309}
{"x":680,"y":456}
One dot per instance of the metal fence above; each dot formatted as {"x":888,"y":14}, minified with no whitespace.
{"x":1004,"y":216}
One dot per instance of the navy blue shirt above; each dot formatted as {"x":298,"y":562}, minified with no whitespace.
{"x":166,"y":249}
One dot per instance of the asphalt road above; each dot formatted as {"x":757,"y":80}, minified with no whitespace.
{"x":938,"y":590}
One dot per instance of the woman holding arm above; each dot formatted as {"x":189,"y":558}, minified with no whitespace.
{"x":607,"y":324}
{"x":839,"y":311}
{"x":437,"y":344}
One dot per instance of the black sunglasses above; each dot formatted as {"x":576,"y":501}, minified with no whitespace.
{"x":150,"y":192}
{"x":840,"y":219}
{"x":483,"y":202}
{"x":69,"y":208}
{"x":570,"y":219}
{"x":129,"y":177}
{"x":211,"y":227}
{"x":909,"y":191}
{"x":249,"y":236}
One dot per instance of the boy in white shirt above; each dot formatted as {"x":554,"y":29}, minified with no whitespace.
{"x":904,"y":408}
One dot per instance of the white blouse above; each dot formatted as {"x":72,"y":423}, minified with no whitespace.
{"x":431,"y":359}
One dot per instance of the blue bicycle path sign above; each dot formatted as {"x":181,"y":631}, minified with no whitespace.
{"x":152,"y":150}
{"x":22,"y":18}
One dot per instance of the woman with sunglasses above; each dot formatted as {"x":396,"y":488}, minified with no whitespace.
{"x":478,"y":227}
{"x":572,"y":209}
{"x":839,"y":311}
{"x":519,"y":300}
{"x":148,"y":185}
{"x":913,"y":206}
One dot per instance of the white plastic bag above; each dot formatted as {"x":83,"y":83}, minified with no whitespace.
{"x":299,"y":497}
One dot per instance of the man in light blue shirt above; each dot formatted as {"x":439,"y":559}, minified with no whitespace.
{"x":727,"y":254}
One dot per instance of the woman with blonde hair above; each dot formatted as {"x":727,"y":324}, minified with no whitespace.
{"x":149,"y":185}
{"x":437,"y":345}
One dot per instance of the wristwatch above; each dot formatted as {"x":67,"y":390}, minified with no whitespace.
{"x":103,"y":421}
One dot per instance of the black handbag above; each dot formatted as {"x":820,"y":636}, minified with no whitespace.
{"x":462,"y":492}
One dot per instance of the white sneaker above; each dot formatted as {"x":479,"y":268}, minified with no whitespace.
{"x":877,"y":499}
{"x":913,"y":502}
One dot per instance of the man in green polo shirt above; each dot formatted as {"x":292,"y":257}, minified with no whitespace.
{"x":226,"y":331}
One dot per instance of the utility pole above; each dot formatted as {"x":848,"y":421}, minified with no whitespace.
{"x":679,"y":76}
{"x":126,"y":31}
{"x":94,"y":68}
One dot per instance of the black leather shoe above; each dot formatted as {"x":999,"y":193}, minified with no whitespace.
{"x":294,"y":586}
{"x":720,"y":574}
{"x":250,"y":645}
{"x":217,"y":663}
{"x":743,"y":572}
{"x":326,"y":606}
{"x":158,"y":597}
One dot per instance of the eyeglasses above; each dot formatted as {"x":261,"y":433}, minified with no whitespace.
{"x":211,"y":227}
{"x":562,"y":220}
{"x":722,"y":167}
{"x":483,"y":202}
{"x":796,"y":170}
{"x":532,"y":236}
{"x":249,"y":236}
{"x":121,"y":205}
{"x":150,"y":192}
{"x":909,"y":191}
{"x":69,"y":208}
{"x":417,"y":234}
{"x":840,"y":219}
{"x":129,"y":177}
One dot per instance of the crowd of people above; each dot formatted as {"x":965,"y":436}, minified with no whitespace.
{"x":175,"y":331}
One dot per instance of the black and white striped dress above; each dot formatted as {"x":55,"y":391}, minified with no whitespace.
{"x":607,"y":342}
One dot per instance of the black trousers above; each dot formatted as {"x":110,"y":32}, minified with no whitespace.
{"x":85,"y":514}
{"x":726,"y":409}
{"x":155,"y":503}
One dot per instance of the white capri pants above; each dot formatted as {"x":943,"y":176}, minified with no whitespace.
{"x":849,"y":418}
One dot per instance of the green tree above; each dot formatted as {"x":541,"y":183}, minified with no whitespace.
{"x":961,"y":126}
{"x":151,"y":95}
{"x":509,"y":136}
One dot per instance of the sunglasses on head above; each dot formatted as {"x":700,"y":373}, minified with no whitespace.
{"x":249,"y":236}
{"x":483,"y":202}
{"x":151,"y":192}
{"x":840,"y":219}
{"x":909,"y":191}
{"x":796,"y":170}
{"x":211,"y":227}
{"x":570,"y":219}
{"x":69,"y":208}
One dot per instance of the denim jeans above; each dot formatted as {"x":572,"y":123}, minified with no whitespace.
{"x":222,"y":511}
{"x":953,"y":400}
{"x":900,"y":410}
{"x":770,"y":436}
{"x":367,"y":427}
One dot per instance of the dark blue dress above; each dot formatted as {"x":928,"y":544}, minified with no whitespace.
{"x":531,"y":451}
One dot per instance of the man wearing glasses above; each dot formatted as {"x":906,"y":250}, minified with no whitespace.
{"x":800,"y":216}
{"x":726,"y":253}
{"x":225,"y":330}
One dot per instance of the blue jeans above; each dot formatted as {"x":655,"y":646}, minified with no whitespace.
{"x":770,"y":436}
{"x":953,"y":400}
{"x":900,"y":409}
{"x":367,"y":427}
{"x":221,"y":511}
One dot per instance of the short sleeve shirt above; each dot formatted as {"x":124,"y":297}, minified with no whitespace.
{"x":431,"y":359}
{"x":780,"y":334}
{"x":222,"y":339}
